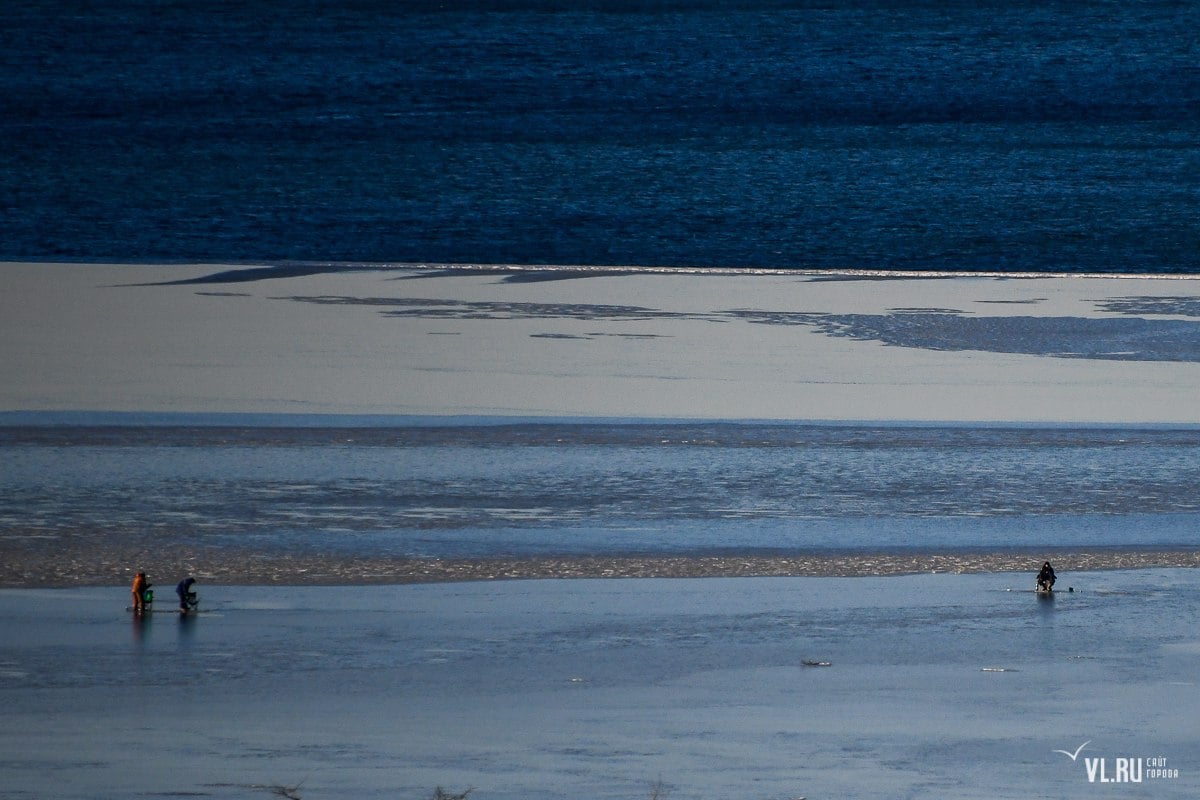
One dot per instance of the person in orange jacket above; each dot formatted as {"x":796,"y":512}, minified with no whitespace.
{"x":140,"y":585}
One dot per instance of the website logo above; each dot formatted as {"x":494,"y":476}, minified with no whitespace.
{"x":1122,"y":769}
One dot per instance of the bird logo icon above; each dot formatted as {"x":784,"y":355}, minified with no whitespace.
{"x":1078,"y":750}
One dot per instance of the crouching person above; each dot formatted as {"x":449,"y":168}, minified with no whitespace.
{"x":187,"y":598}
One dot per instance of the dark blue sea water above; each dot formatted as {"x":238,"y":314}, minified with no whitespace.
{"x":1025,"y":136}
{"x":550,"y":488}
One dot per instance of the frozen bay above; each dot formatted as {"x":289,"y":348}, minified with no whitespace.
{"x":959,"y":684}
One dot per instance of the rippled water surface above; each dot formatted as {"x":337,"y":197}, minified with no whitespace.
{"x":899,"y":135}
{"x":543,"y":487}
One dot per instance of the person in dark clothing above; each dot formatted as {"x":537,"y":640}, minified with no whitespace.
{"x":187,"y":598}
{"x":1046,"y":578}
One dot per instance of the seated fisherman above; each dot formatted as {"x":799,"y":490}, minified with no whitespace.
{"x":1046,"y":578}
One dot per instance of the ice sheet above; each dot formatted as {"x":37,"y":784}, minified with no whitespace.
{"x":614,"y":343}
{"x":955,"y":684}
